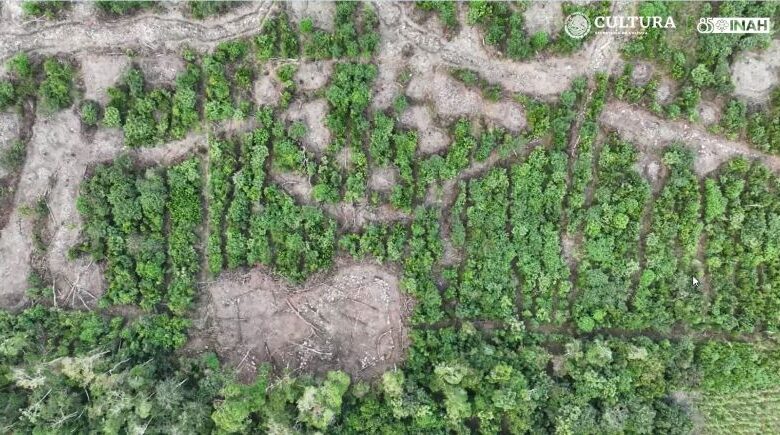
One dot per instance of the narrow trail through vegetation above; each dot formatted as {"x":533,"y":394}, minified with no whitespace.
{"x":652,"y":134}
{"x":147,"y":31}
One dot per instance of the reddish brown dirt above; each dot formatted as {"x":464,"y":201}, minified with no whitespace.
{"x":351,"y":319}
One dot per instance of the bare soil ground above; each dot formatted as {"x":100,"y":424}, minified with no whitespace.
{"x":351,"y":319}
{"x":544,"y":17}
{"x":313,"y":75}
{"x":430,"y":138}
{"x":153,"y":32}
{"x":321,"y":13}
{"x":452,"y":99}
{"x":545,"y":77}
{"x":313,"y":113}
{"x":267,"y":90}
{"x":651,"y":134}
{"x":161,"y":69}
{"x":383,"y":179}
{"x":100,"y":73}
{"x":755,"y":73}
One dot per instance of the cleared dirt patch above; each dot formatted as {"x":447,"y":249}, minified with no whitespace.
{"x":383,"y":179}
{"x":322,"y":14}
{"x":161,"y":69}
{"x":352,"y":319}
{"x":544,"y":17}
{"x":755,"y":73}
{"x":313,"y":114}
{"x":267,"y":91}
{"x":431,"y":139}
{"x":100,"y":73}
{"x":51,"y":155}
{"x":507,"y":114}
{"x":313,"y":75}
{"x":166,"y":31}
{"x":652,"y":134}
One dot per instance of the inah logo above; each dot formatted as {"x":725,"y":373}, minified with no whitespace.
{"x":734,"y":25}
{"x":577,"y":25}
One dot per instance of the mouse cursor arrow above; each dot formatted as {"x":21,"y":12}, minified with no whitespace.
{"x":695,"y":282}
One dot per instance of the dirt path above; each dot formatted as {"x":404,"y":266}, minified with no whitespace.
{"x":58,"y":156}
{"x":165,"y":32}
{"x":545,"y":77}
{"x":651,"y":134}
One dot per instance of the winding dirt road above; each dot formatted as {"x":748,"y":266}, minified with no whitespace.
{"x":166,"y":32}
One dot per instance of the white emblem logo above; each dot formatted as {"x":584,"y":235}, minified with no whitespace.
{"x":577,"y":25}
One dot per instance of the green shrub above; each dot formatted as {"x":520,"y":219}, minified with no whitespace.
{"x":49,"y":9}
{"x":7,"y":94}
{"x":184,"y":208}
{"x":734,"y":118}
{"x":13,"y":157}
{"x":90,"y":113}
{"x":57,"y":86}
{"x":447,"y":11}
{"x":111,"y":118}
{"x":540,"y":40}
{"x":21,"y":66}
{"x":123,"y":7}
{"x":204,"y":9}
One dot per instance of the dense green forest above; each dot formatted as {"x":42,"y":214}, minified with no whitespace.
{"x":569,"y":308}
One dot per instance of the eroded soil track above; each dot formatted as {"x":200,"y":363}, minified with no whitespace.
{"x":151,"y":32}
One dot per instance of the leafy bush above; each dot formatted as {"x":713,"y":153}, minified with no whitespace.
{"x":108,"y":203}
{"x":90,"y":113}
{"x":447,"y":11}
{"x":201,"y":9}
{"x":49,"y":10}
{"x":152,"y":116}
{"x":734,"y":118}
{"x":425,"y":249}
{"x":112,"y":118}
{"x":348,"y":96}
{"x":56,"y":88}
{"x":301,"y":238}
{"x":286,"y":73}
{"x":664,"y":295}
{"x":379,"y":146}
{"x":354,"y":34}
{"x":184,"y":208}
{"x":741,"y":209}
{"x":319,"y":406}
{"x":611,"y":238}
{"x":12,"y":158}
{"x":123,"y":7}
{"x":456,"y":159}
{"x":7,"y":94}
{"x":487,"y":288}
{"x":222,"y":164}
{"x":536,"y":207}
{"x":277,"y":39}
{"x":184,"y":111}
